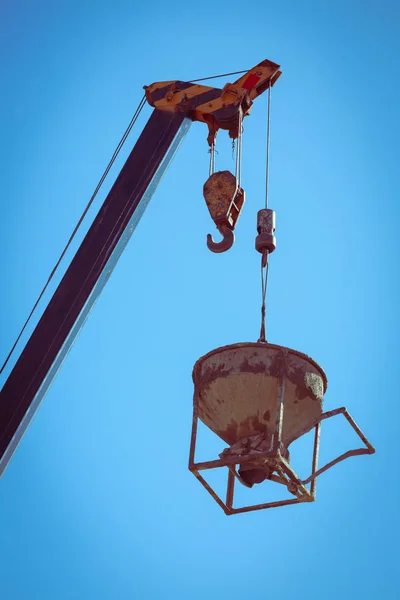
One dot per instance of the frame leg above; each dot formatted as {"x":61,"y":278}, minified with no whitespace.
{"x":313,"y":487}
{"x":230,"y":489}
{"x":369,"y":449}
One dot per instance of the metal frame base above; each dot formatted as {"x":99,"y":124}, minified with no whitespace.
{"x":286,"y":475}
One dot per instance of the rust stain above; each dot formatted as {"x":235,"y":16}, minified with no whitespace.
{"x":230,"y":383}
{"x":230,"y":434}
{"x":200,"y":366}
{"x":267,"y":415}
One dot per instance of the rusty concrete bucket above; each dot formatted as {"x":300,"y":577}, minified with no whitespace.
{"x":259,"y":398}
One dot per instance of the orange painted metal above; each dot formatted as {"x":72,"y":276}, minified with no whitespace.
{"x":219,"y":108}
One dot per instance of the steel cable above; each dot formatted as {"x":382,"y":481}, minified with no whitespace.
{"x":264,"y":282}
{"x":77,"y":226}
{"x":217,"y":76}
{"x":268,"y":145}
{"x":264,"y":257}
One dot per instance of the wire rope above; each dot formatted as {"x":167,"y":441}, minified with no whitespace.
{"x":264,"y":257}
{"x":268,"y":145}
{"x":218,"y":76}
{"x":77,"y":226}
{"x":264,"y":283}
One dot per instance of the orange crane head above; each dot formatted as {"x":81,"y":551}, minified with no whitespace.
{"x":218,"y":108}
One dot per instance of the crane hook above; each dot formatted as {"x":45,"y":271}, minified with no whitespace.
{"x":228,"y":237}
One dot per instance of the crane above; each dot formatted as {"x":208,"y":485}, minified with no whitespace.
{"x":257,"y":432}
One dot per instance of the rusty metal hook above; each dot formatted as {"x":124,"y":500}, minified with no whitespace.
{"x":228,"y":237}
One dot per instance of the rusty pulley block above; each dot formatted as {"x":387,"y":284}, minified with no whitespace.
{"x":224,"y":198}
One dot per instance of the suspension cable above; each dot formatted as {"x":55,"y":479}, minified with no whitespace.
{"x":239,"y":148}
{"x":217,"y":76}
{"x":268,"y":145}
{"x":264,"y":283}
{"x":269,"y":229}
{"x":77,"y":226}
{"x":212,"y":159}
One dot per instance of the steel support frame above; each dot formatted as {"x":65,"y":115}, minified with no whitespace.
{"x":287,"y":475}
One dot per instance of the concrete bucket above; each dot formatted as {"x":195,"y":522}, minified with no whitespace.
{"x":239,"y":389}
{"x":259,"y":398}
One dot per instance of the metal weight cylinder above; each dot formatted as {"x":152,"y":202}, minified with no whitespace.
{"x":266,"y":240}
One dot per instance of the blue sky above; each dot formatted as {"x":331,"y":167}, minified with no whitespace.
{"x":97,"y":501}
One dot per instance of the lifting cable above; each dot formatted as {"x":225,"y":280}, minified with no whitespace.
{"x":264,"y":256}
{"x":103,"y":177}
{"x":218,"y":76}
{"x":212,"y":152}
{"x":238,"y":168}
{"x":268,"y":145}
{"x":79,"y":223}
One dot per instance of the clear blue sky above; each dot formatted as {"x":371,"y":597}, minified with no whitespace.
{"x":81,"y":517}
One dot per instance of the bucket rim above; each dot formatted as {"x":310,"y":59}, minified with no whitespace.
{"x":221,"y":349}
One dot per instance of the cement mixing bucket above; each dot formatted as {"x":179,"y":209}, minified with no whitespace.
{"x":239,"y":389}
{"x":259,"y":398}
